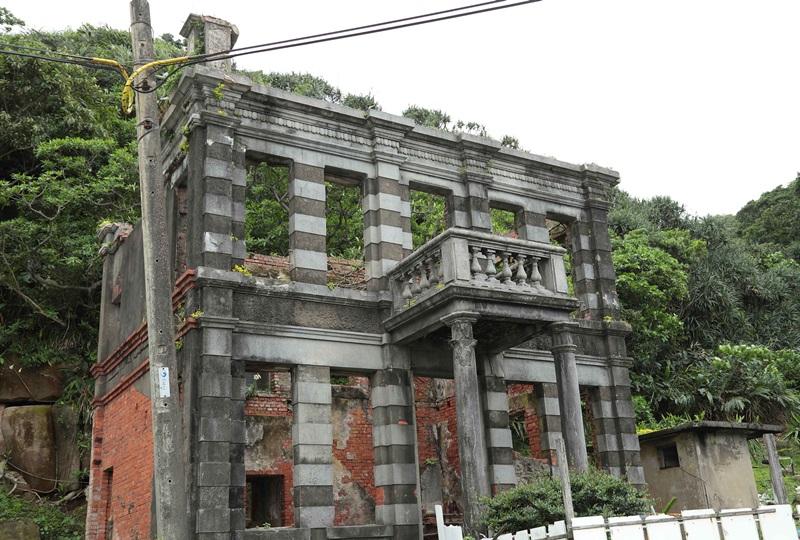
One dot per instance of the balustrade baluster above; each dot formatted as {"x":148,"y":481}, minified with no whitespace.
{"x":505,"y":274}
{"x":491,"y":270}
{"x":535,"y":277}
{"x":434,"y":270}
{"x":415,"y":285}
{"x":476,"y":268}
{"x":521,"y":277}
{"x":406,"y":293}
{"x":424,"y":283}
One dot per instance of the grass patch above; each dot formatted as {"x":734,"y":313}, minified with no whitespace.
{"x":54,"y":524}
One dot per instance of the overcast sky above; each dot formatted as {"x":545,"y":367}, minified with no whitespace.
{"x":695,"y":99}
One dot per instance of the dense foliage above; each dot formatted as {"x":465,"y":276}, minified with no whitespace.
{"x":540,"y":502}
{"x":714,"y":314}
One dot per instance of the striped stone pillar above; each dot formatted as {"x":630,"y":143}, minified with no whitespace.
{"x":549,"y":414}
{"x":216,"y":428}
{"x":312,"y":442}
{"x":593,"y":269}
{"x":534,"y":227}
{"x":308,"y":261}
{"x":614,"y":422}
{"x":476,"y":156}
{"x":385,"y":237}
{"x":216,"y":166}
{"x":478,"y":205}
{"x":393,"y":439}
{"x":498,"y":425}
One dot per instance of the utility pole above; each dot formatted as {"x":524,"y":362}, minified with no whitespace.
{"x":169,"y":468}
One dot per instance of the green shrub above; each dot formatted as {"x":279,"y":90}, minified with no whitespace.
{"x":539,"y":502}
{"x":53,"y":523}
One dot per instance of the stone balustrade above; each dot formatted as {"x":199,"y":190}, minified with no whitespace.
{"x":476,"y":259}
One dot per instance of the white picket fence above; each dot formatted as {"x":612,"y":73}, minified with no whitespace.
{"x":763,"y":523}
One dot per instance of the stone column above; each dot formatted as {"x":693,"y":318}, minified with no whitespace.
{"x":534,"y":227}
{"x":395,"y":453}
{"x":219,"y":464}
{"x":308,"y":260}
{"x":384,"y":236}
{"x":498,"y":425}
{"x":595,"y":279}
{"x":469,"y":418}
{"x":569,"y":397}
{"x":615,"y":428}
{"x":312,"y":442}
{"x":386,"y":204}
{"x":216,"y":192}
{"x":549,"y":414}
{"x":477,"y":153}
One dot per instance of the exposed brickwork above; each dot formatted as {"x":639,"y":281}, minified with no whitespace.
{"x":123,"y":453}
{"x":522,"y":400}
{"x":276,"y":458}
{"x":353,"y":457}
{"x":437,"y":435}
{"x":346,"y":273}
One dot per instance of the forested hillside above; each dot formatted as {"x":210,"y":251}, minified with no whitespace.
{"x":714,"y":301}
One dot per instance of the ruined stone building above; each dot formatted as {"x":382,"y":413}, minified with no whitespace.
{"x":345,"y":408}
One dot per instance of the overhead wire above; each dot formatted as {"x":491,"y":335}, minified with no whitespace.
{"x":85,"y":61}
{"x":339,"y":34}
{"x":185,"y":61}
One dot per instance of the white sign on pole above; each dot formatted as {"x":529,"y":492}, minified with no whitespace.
{"x":163,"y":381}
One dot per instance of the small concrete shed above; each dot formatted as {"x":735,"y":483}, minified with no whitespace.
{"x":703,"y":464}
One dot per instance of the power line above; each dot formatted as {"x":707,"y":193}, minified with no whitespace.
{"x":353,"y":29}
{"x":84,"y":63}
{"x":182,"y":62}
{"x":340,"y":34}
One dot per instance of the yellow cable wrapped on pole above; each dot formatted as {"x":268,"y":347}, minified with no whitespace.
{"x":113,"y":63}
{"x":127,"y":90}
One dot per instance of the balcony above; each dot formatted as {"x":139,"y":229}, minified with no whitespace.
{"x":515,"y":287}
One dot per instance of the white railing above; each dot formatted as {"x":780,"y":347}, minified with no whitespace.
{"x":763,"y":523}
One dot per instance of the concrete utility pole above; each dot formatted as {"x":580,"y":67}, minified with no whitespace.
{"x":169,"y":469}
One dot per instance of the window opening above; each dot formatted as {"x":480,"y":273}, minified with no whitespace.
{"x":504,"y":222}
{"x":428,"y":216}
{"x":519,"y":433}
{"x":268,"y":382}
{"x":561,"y":235}
{"x":345,"y":220}
{"x":266,"y":219}
{"x":668,"y":456}
{"x":108,"y":482}
{"x":264,"y":501}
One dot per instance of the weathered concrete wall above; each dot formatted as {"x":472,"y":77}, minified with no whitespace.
{"x":727,"y":469}
{"x":120,"y":493}
{"x":715,"y":471}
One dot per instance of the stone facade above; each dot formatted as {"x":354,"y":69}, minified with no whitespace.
{"x":339,"y":447}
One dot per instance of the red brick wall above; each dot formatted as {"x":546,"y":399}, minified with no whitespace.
{"x":437,"y":435}
{"x":353,"y":455}
{"x":276,"y":405}
{"x":522,"y":399}
{"x":354,"y":461}
{"x":122,"y":442}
